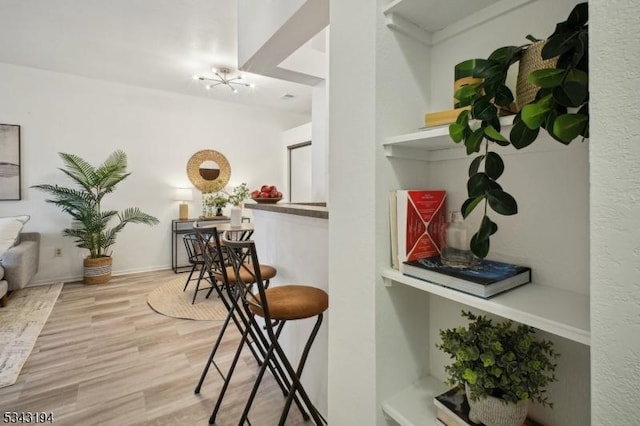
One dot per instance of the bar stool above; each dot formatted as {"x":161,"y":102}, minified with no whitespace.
{"x":277,"y":306}
{"x":216,"y":266}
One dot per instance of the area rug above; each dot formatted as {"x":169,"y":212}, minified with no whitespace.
{"x":169,"y":299}
{"x":21,"y":321}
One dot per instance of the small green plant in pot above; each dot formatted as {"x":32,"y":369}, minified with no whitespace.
{"x":498,"y":362}
{"x":217,"y":201}
{"x":84,"y":204}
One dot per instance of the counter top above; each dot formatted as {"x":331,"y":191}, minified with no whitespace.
{"x":318,"y":210}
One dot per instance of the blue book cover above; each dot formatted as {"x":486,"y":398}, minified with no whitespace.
{"x":487,"y":278}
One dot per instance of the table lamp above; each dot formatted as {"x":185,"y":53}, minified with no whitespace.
{"x":183,"y":195}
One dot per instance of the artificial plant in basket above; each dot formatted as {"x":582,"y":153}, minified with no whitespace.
{"x":84,"y":202}
{"x":560,"y":107}
{"x":498,"y":360}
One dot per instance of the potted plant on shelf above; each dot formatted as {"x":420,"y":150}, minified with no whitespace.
{"x":501,"y":367}
{"x":560,"y":107}
{"x":84,"y":204}
{"x":216,"y":201}
{"x":237,"y":196}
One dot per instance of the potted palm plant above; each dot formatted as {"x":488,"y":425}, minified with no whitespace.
{"x":84,"y":204}
{"x":501,"y":368}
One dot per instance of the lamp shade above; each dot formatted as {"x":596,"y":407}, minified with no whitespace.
{"x":184,"y":194}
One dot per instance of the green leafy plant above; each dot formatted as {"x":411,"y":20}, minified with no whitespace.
{"x":239,"y":194}
{"x":217,"y":200}
{"x":499,"y":360}
{"x":560,"y":107}
{"x":84,"y":202}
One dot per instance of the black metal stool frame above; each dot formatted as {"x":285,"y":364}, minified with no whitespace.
{"x":215,"y":261}
{"x":238,"y":252}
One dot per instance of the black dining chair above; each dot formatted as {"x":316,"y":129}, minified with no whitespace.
{"x":196,"y":259}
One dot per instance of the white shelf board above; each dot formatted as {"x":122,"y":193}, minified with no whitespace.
{"x":557,"y":311}
{"x":414,"y":406}
{"x":432,"y":21}
{"x":418,"y":145}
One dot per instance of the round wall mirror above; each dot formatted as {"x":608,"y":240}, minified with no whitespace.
{"x":208,"y":170}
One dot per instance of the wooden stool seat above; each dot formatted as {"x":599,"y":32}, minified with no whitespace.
{"x":291,"y":302}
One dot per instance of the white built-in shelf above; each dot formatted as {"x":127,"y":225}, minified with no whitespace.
{"x":432,"y":21}
{"x":557,"y":311}
{"x":414,"y":406}
{"x":422,"y":144}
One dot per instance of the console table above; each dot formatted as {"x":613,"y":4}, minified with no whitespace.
{"x":183,"y":226}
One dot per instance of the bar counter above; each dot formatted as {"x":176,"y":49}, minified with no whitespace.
{"x":318,"y":209}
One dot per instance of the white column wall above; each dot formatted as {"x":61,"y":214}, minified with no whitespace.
{"x":615,"y":211}
{"x":159,"y":131}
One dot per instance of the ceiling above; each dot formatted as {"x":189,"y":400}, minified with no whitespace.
{"x":157,"y":44}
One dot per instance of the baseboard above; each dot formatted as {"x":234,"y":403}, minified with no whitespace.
{"x":78,"y":278}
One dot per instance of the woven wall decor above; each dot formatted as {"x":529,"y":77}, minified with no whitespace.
{"x":199,"y":178}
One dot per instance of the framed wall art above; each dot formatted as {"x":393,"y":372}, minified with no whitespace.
{"x":9,"y":162}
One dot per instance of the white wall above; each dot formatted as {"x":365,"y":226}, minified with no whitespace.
{"x":615,"y":211}
{"x":283,"y":240}
{"x":159,"y":131}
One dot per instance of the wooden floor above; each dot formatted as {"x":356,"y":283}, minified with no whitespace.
{"x":105,"y":357}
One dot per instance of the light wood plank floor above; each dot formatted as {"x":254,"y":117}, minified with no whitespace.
{"x":105,"y":357}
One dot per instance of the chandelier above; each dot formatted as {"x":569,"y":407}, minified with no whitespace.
{"x":222,"y":79}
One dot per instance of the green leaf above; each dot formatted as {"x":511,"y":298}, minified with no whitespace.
{"x":463,"y":118}
{"x":504,"y":96}
{"x":567,"y":127}
{"x":558,"y":44}
{"x":493,"y":135}
{"x":470,"y":204}
{"x":486,"y":69}
{"x":456,"y":132}
{"x":571,"y":94}
{"x":533,"y":115}
{"x":479,"y":248}
{"x":507,"y":55}
{"x":474,"y":141}
{"x":475,"y":165}
{"x":482,"y":109}
{"x":546,"y":78}
{"x":502,"y":203}
{"x":578,"y":76}
{"x":487,"y":228}
{"x":466,"y":94}
{"x":493,"y":165}
{"x":521,"y":136}
{"x":579,"y":16}
{"x":477,"y":185}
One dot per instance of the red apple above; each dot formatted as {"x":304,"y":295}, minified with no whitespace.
{"x":255,"y":194}
{"x":264,"y":194}
{"x":273,"y":194}
{"x":265,"y":188}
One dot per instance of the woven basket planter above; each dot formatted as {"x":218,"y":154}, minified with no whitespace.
{"x":531,"y":61}
{"x":492,"y":411}
{"x":98,"y":270}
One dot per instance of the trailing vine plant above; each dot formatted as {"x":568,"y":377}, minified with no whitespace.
{"x":560,"y":107}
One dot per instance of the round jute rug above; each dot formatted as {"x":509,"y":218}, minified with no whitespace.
{"x":169,"y":299}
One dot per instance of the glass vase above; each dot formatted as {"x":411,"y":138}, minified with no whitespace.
{"x":456,"y":247}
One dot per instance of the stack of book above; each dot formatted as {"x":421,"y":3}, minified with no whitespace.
{"x":453,"y":410}
{"x":485,"y":279}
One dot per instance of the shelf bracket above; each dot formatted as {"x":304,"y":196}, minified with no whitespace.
{"x":408,"y":28}
{"x":406,"y":153}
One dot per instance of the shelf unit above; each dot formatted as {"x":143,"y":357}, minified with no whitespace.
{"x":559,"y":312}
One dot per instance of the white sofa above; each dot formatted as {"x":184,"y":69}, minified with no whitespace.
{"x":19,"y":263}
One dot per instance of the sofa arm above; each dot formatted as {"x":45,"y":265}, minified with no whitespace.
{"x":20,"y":262}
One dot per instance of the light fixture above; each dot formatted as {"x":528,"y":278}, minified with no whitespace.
{"x":221,"y":78}
{"x":183,"y":195}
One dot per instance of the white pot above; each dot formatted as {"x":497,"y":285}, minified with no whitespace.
{"x":496,"y":412}
{"x":236,"y":216}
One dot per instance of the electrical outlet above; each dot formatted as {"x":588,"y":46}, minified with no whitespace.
{"x":57,"y":252}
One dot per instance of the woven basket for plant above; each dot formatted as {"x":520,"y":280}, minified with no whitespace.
{"x":97,"y":271}
{"x":531,"y":61}
{"x":492,"y":411}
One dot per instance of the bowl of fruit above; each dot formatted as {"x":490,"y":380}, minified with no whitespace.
{"x":267,"y":194}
